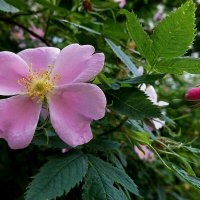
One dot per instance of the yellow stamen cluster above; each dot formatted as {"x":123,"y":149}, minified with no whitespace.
{"x":38,"y":83}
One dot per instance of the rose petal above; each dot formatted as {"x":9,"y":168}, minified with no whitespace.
{"x":77,"y":63}
{"x":40,"y":58}
{"x":140,"y":70}
{"x":151,"y":93}
{"x":143,"y":87}
{"x":87,"y":99}
{"x":162,"y":103}
{"x":158,"y":123}
{"x":12,"y":69}
{"x":122,"y":3}
{"x":19,"y":121}
{"x":72,"y":109}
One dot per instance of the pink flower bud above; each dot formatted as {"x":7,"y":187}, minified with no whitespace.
{"x":193,"y":94}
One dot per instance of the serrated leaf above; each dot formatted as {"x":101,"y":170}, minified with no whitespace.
{"x":179,"y":65}
{"x":140,"y":37}
{"x":5,"y":7}
{"x":122,"y":157}
{"x":133,"y":103}
{"x":148,"y":79}
{"x":123,"y":57}
{"x":113,"y":158}
{"x":99,"y":187}
{"x":195,"y":181}
{"x":173,"y":35}
{"x":114,"y":174}
{"x":192,"y":149}
{"x":58,"y":176}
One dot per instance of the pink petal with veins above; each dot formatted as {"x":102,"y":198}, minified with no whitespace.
{"x":19,"y":118}
{"x":12,"y":68}
{"x":40,"y":58}
{"x":73,"y":108}
{"x":78,"y":63}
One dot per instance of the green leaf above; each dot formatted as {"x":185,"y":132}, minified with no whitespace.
{"x":50,"y":6}
{"x":20,"y":4}
{"x":104,"y":145}
{"x":143,"y":137}
{"x":184,"y":175}
{"x":179,"y":65}
{"x":123,"y":57}
{"x":140,"y":37}
{"x":133,"y":103}
{"x":136,"y":126}
{"x":122,"y":157}
{"x":118,"y":35}
{"x":81,"y":27}
{"x":173,"y":35}
{"x":5,"y":7}
{"x":148,"y":79}
{"x":192,"y":149}
{"x":57,"y":177}
{"x":114,"y":174}
{"x":116,"y":162}
{"x":99,"y":187}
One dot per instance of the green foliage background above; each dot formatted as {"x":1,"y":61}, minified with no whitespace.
{"x":108,"y":168}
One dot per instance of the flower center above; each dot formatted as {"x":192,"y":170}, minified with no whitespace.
{"x":38,"y":83}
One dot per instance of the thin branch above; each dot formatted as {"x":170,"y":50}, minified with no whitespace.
{"x":10,"y":21}
{"x":117,"y":127}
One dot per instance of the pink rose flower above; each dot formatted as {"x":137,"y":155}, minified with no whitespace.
{"x":47,"y":75}
{"x":193,"y":94}
{"x":146,"y":155}
{"x":153,"y":97}
{"x":122,"y":3}
{"x":151,"y":93}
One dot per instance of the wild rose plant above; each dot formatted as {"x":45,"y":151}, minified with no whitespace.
{"x":97,"y":126}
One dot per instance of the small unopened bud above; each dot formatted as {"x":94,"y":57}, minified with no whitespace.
{"x":87,"y":5}
{"x":193,"y":94}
